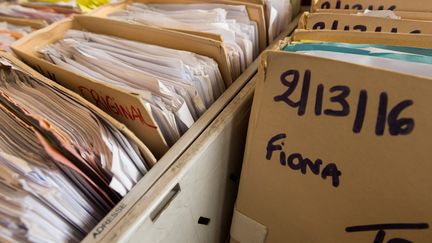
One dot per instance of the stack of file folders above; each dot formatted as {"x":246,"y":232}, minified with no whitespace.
{"x":65,"y":6}
{"x":9,"y":33}
{"x":178,"y":86}
{"x":369,"y":32}
{"x":231,"y":23}
{"x":370,"y":16}
{"x":18,"y":11}
{"x":156,"y":81}
{"x":64,"y":163}
{"x":388,"y":35}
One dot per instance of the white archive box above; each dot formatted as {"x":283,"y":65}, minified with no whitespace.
{"x":193,"y":200}
{"x":189,"y":195}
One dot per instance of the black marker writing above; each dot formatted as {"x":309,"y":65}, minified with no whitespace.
{"x":320,"y":25}
{"x":339,"y":104}
{"x":380,"y":228}
{"x":291,"y":79}
{"x":361,"y":109}
{"x":357,"y":6}
{"x":297,"y":162}
{"x":109,"y":219}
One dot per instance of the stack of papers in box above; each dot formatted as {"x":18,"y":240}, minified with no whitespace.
{"x":30,"y":13}
{"x":63,"y":165}
{"x":280,"y":13}
{"x":9,"y":33}
{"x":232,"y":22}
{"x":67,"y":6}
{"x":178,"y":86}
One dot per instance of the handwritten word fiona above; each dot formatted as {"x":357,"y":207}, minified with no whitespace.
{"x":297,"y":162}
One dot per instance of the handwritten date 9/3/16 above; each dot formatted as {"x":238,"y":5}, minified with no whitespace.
{"x":387,"y":115}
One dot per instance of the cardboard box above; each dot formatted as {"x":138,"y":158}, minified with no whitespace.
{"x":146,"y":153}
{"x":192,"y":202}
{"x":33,"y":23}
{"x":420,"y":40}
{"x":197,"y":177}
{"x":399,"y":5}
{"x":124,"y":106}
{"x":312,"y":174}
{"x":352,"y":22}
{"x":255,"y":11}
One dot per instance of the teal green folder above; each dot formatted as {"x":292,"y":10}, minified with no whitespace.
{"x":410,"y":54}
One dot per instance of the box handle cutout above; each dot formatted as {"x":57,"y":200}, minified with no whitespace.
{"x":203,"y":220}
{"x":165,"y":202}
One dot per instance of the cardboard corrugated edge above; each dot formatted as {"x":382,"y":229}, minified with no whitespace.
{"x":313,"y":7}
{"x":146,"y":153}
{"x":418,"y":40}
{"x":27,"y":48}
{"x":34,"y":23}
{"x":371,"y":22}
{"x":303,"y":21}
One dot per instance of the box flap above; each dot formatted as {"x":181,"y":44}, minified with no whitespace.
{"x":247,"y":230}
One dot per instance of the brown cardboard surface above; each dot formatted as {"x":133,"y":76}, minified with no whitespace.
{"x":34,"y":23}
{"x":125,"y":107}
{"x":384,"y":178}
{"x":418,"y":5}
{"x":255,"y":11}
{"x":350,"y":22}
{"x":147,"y":154}
{"x":421,"y":41}
{"x":402,"y":14}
